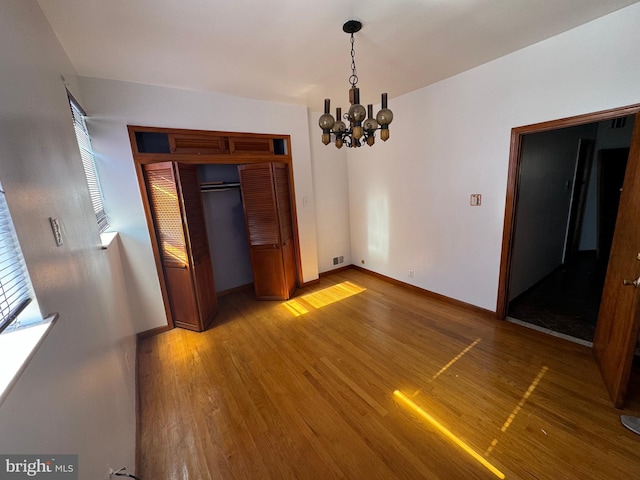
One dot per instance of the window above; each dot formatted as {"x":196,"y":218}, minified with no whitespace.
{"x":22,"y":328}
{"x":88,"y":162}
{"x":15,"y":288}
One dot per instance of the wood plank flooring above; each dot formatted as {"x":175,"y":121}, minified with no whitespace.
{"x":305,"y":390}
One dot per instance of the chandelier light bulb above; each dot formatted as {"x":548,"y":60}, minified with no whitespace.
{"x":370,"y":124}
{"x":384,"y":116}
{"x":339,"y":127}
{"x":357,"y":113}
{"x":326,"y":121}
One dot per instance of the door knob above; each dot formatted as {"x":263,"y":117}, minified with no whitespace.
{"x":635,"y":283}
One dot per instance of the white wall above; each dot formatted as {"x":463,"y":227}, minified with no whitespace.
{"x":331,"y":186}
{"x":77,"y":395}
{"x":547,"y":168}
{"x":114,"y":105}
{"x":409,"y":198}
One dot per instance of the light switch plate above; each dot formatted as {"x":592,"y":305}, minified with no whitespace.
{"x":475,"y":200}
{"x":57,"y":231}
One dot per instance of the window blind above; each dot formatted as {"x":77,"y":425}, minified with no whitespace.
{"x":89,"y":163}
{"x":14,"y":285}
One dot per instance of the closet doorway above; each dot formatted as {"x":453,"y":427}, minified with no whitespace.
{"x":268,"y":206}
{"x":226,"y":229}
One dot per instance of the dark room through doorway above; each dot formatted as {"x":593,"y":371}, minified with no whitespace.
{"x":569,"y":189}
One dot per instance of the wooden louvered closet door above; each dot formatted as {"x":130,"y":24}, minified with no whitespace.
{"x":176,"y":206}
{"x":267,"y":208}
{"x":283,"y":202}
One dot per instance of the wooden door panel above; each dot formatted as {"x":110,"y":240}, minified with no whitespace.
{"x":179,"y":223}
{"x":197,"y":243}
{"x":618,"y":320}
{"x":165,"y":209}
{"x":251,"y":145}
{"x":289,"y":261}
{"x":182,"y":297}
{"x":268,"y":274}
{"x":266,"y":199}
{"x":283,"y":200}
{"x":205,"y":290}
{"x":197,"y":143}
{"x":258,"y":199}
{"x":189,"y":187}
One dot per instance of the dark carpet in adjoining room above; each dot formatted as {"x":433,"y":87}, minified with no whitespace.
{"x":565,"y":301}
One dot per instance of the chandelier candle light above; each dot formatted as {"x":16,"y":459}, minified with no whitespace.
{"x":362,"y":125}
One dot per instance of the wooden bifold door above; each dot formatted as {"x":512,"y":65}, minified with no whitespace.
{"x":268,"y":215}
{"x":174,"y":197}
{"x":167,"y":167}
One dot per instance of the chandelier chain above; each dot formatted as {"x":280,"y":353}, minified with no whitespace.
{"x":353,"y":79}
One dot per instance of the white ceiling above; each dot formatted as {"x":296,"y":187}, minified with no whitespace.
{"x":295,"y":51}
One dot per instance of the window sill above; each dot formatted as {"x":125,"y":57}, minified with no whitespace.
{"x":107,"y":238}
{"x":17,"y":348}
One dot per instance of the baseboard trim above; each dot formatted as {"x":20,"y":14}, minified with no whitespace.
{"x":428,"y":293}
{"x":310,"y":283}
{"x":336,"y":270}
{"x":153,"y":331}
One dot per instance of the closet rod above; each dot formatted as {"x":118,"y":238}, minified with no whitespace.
{"x":217,"y":187}
{"x":205,"y":190}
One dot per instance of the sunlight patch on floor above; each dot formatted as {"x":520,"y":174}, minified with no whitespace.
{"x":316,"y":300}
{"x":456,"y":358}
{"x":444,"y":431}
{"x":518,"y":407}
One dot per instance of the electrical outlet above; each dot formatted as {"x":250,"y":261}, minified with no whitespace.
{"x":475,"y":200}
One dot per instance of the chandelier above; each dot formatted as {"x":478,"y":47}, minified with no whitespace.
{"x":362,"y":124}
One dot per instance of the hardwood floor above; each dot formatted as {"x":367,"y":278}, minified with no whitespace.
{"x":305,"y":389}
